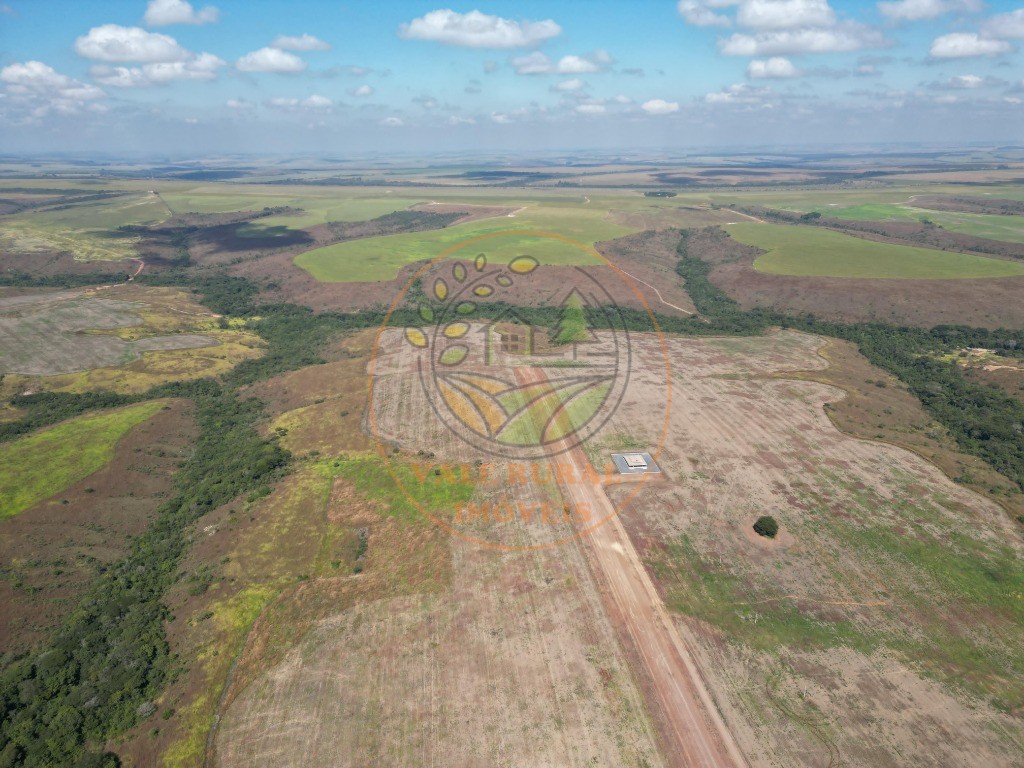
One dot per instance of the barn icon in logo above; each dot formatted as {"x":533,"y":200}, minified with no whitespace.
{"x":524,"y":383}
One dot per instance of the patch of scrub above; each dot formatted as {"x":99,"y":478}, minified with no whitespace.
{"x":36,"y":467}
{"x":50,"y":337}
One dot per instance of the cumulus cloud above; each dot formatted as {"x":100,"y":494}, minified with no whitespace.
{"x":362,"y":90}
{"x":776,"y":67}
{"x":459,"y":120}
{"x":660,"y":107}
{"x":917,"y":10}
{"x":500,"y":118}
{"x":478,"y":30}
{"x":590,"y":109}
{"x":301,"y":42}
{"x":292,"y":104}
{"x":537,"y":63}
{"x":162,"y":13}
{"x":1005,"y":25}
{"x":392,"y":121}
{"x":201,"y":67}
{"x":114,"y":43}
{"x":623,"y":99}
{"x":840,"y":39}
{"x":961,"y":45}
{"x":239,"y":104}
{"x":785,"y":14}
{"x":569,"y":85}
{"x":37,"y":89}
{"x":699,"y":14}
{"x":270,"y":60}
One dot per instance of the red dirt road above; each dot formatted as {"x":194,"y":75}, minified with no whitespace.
{"x":697,"y":736}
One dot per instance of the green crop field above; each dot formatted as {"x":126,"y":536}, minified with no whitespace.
{"x":807,"y":251}
{"x":381,"y":258}
{"x":35,"y":467}
{"x":994,"y":227}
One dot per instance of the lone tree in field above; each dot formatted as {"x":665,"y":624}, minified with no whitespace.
{"x":766,"y":526}
{"x":571,"y":327}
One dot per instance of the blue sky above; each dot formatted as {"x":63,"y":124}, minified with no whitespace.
{"x":262,"y":75}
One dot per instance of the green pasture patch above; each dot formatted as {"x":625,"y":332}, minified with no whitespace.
{"x":437,"y":492}
{"x":814,"y":252}
{"x":381,"y":258}
{"x":39,"y":465}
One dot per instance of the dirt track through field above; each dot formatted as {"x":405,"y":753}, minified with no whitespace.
{"x":698,"y":735}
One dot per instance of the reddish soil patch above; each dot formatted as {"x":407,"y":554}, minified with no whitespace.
{"x":650,"y":258}
{"x":989,"y":303}
{"x":50,"y":553}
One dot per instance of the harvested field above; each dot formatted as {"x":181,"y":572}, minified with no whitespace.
{"x":50,"y":552}
{"x":125,"y":338}
{"x":877,"y":578}
{"x":989,"y":303}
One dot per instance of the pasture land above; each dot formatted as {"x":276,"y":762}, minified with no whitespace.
{"x":381,"y":258}
{"x":39,"y":465}
{"x":89,"y":230}
{"x":994,"y":227}
{"x":818,"y":252}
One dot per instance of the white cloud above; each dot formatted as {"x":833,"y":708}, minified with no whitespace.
{"x":785,"y":14}
{"x":478,"y":30}
{"x":700,"y":15}
{"x":39,"y":89}
{"x":741,"y":93}
{"x":270,"y":60}
{"x":1005,"y":25}
{"x":239,"y":104}
{"x":537,"y":63}
{"x":458,"y":120}
{"x":362,"y":90}
{"x":576,"y":65}
{"x":316,"y":101}
{"x":591,"y":109}
{"x":916,"y":10}
{"x":776,"y":67}
{"x":660,"y":107}
{"x":840,"y":39}
{"x":202,"y":67}
{"x":302,"y":42}
{"x":966,"y":81}
{"x":623,"y":99}
{"x":112,"y":42}
{"x":499,"y":118}
{"x":161,"y":13}
{"x":192,"y":121}
{"x":570,"y":85}
{"x":960,"y":45}
{"x":392,"y":121}
{"x":279,"y":102}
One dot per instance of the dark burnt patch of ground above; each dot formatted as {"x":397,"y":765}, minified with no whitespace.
{"x":997,"y":206}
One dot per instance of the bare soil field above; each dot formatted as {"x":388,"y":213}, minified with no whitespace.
{"x":853,"y":638}
{"x":51,"y":551}
{"x":650,"y":259}
{"x":989,"y":303}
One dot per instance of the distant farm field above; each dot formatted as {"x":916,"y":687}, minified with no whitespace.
{"x":812,"y":252}
{"x":381,"y":258}
{"x":42,"y":464}
{"x":1006,"y":228}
